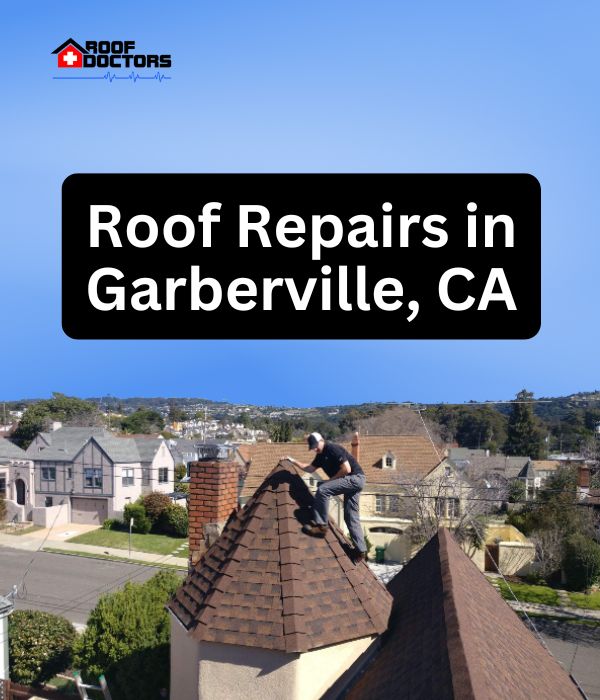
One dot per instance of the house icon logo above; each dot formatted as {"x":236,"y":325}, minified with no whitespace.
{"x":70,"y":54}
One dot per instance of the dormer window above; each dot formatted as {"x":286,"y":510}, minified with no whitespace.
{"x":388,"y":460}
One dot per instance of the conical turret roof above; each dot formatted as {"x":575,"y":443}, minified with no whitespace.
{"x":264,"y":583}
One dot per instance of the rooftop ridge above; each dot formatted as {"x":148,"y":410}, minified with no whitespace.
{"x":264,"y":583}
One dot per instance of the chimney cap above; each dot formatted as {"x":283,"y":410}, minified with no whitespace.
{"x":213,"y":451}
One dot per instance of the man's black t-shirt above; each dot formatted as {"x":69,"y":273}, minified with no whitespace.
{"x":332,"y":457}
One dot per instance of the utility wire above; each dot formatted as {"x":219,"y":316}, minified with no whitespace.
{"x":520,"y":605}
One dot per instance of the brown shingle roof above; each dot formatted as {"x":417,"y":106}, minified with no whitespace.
{"x":452,"y":637}
{"x":266,"y":584}
{"x":415,"y":457}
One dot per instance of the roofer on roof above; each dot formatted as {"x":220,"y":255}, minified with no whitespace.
{"x":345,"y":478}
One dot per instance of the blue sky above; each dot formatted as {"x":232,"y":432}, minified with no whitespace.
{"x":305,"y":87}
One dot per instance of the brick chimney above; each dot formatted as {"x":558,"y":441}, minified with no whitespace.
{"x":583,"y":481}
{"x":213,"y":496}
{"x":355,"y":444}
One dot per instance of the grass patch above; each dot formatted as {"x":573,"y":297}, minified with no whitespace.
{"x":154,"y":544}
{"x":588,"y":602}
{"x":110,"y":557}
{"x":527,"y":593}
{"x":22,"y":531}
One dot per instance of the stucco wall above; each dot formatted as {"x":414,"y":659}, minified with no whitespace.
{"x":185,"y":659}
{"x":398,"y":545}
{"x":515,"y":557}
{"x":124,"y":494}
{"x":319,"y":669}
{"x":209,"y":671}
{"x":52,"y":516}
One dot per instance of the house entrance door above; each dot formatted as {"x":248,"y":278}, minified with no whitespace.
{"x":20,"y":487}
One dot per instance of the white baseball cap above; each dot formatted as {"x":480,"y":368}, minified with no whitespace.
{"x":313,"y":440}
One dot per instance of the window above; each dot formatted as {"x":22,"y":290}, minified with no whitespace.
{"x":453,"y":507}
{"x":163,"y":475}
{"x":145,"y":476}
{"x":92,"y":478}
{"x":2,"y":485}
{"x":69,"y":472}
{"x":389,"y":461}
{"x":447,"y":507}
{"x":48,"y":502}
{"x":49,"y":473}
{"x":128,"y":476}
{"x":387,"y":504}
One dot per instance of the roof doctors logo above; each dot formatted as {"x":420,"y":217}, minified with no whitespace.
{"x":110,"y":56}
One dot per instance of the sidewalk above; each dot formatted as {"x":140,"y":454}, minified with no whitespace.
{"x":569,"y":612}
{"x":55,"y":539}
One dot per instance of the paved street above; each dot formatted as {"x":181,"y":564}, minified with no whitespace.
{"x":64,"y":585}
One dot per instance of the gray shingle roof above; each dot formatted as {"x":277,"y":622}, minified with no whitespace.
{"x":147,"y":447}
{"x":119,"y":449}
{"x":185,"y":451}
{"x":8,"y":450}
{"x":528,"y":471}
{"x":64,"y":443}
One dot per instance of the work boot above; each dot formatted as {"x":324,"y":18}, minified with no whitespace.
{"x":356,"y":555}
{"x":314,"y":530}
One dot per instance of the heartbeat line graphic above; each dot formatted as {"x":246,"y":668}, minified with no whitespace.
{"x":133,"y":76}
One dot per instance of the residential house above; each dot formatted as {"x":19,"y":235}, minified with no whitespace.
{"x":96,"y":474}
{"x":16,"y":480}
{"x":268,"y":612}
{"x":394,"y":466}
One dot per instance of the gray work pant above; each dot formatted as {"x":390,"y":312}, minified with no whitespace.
{"x":350,"y":487}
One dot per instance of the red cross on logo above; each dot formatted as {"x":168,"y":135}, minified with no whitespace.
{"x":70,"y":57}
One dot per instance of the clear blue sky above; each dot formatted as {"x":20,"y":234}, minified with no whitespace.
{"x":305,"y":87}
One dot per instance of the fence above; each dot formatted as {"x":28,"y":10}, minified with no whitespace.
{"x":9,"y":690}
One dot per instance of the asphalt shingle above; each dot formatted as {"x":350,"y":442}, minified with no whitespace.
{"x":266,"y":584}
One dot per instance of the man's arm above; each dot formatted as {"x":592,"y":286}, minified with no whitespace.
{"x":310,"y":468}
{"x":344,"y":470}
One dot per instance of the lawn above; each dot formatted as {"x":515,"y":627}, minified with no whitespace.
{"x":155,"y":544}
{"x":589,"y":602}
{"x":530,"y":594}
{"x":22,"y":530}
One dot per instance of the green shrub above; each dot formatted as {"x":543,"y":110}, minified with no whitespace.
{"x":581,"y":562}
{"x":127,"y":639}
{"x":141,"y":522}
{"x":40,"y":645}
{"x":180,"y":471}
{"x":2,"y":509}
{"x":155,"y":504}
{"x":112,"y":524}
{"x":174,"y":521}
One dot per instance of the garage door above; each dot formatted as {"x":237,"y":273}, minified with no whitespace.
{"x":89,"y":511}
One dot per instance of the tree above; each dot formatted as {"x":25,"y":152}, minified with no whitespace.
{"x":281,"y":432}
{"x":516,"y":491}
{"x":141,"y":522}
{"x":40,"y":645}
{"x":446,"y":498}
{"x":523,"y":434}
{"x":581,"y":562}
{"x":69,"y":410}
{"x":155,"y":504}
{"x":127,"y":639}
{"x":549,"y":547}
{"x":174,"y":521}
{"x":144,"y":420}
{"x":176,"y":414}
